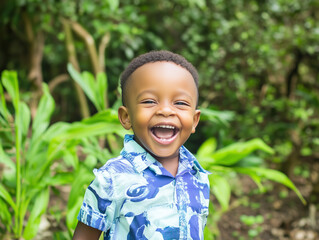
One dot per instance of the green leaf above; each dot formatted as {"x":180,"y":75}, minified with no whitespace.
{"x":38,"y":145}
{"x":93,"y":149}
{"x":59,"y":179}
{"x":3,"y":107}
{"x":80,"y":183}
{"x":200,"y":3}
{"x":90,"y":161}
{"x":273,"y":175}
{"x":220,"y":169}
{"x":114,"y":4}
{"x":72,"y":212}
{"x":208,"y":234}
{"x":24,"y":118}
{"x":80,"y":130}
{"x":77,"y":77}
{"x":107,"y":115}
{"x":44,"y":112}
{"x":39,"y":208}
{"x":207,"y":148}
{"x":5,"y":215}
{"x":9,"y":169}
{"x":5,"y":159}
{"x":90,"y":83}
{"x":250,"y":161}
{"x":101,"y":90}
{"x":231,"y":154}
{"x":221,"y":190}
{"x":96,"y":90}
{"x":24,"y":206}
{"x":205,"y":162}
{"x":55,"y":130}
{"x":6,"y":196}
{"x":222,"y":117}
{"x":10,"y":82}
{"x":35,"y":168}
{"x":70,"y":157}
{"x":35,"y":151}
{"x":86,"y":82}
{"x":254,"y":176}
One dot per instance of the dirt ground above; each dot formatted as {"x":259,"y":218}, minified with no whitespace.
{"x":276,"y":215}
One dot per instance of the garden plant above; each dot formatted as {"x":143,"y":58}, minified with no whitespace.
{"x":259,"y":99}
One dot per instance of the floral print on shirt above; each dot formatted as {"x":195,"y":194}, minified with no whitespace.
{"x":134,"y":197}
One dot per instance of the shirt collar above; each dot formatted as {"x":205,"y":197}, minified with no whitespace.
{"x":141,"y":159}
{"x":136,"y":154}
{"x":188,"y":161}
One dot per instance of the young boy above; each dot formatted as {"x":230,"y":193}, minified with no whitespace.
{"x":155,"y":189}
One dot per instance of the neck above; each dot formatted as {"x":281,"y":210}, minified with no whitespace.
{"x":170,"y":164}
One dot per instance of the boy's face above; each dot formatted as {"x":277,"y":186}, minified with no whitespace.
{"x":161,"y":102}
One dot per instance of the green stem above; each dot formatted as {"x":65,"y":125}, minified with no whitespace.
{"x":18,"y":229}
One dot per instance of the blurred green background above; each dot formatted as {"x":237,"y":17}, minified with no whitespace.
{"x":258,"y":63}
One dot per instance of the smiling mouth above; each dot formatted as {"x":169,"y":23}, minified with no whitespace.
{"x":164,"y":132}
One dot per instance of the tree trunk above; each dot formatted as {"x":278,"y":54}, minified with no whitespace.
{"x":90,"y":44}
{"x":293,"y":158}
{"x":292,"y":76}
{"x":73,"y":60}
{"x":102,"y":46}
{"x":36,"y":46}
{"x":291,"y":82}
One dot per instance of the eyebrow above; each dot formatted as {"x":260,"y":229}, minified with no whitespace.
{"x":145,"y":92}
{"x":151,"y":91}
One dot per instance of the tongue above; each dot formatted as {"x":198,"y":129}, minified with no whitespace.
{"x":163,"y":132}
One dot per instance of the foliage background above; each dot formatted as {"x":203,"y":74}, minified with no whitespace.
{"x":257,"y":60}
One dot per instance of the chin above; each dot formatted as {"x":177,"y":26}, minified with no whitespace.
{"x":165,"y":155}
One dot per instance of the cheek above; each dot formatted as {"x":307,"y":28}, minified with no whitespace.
{"x":188,"y":120}
{"x":141,"y":118}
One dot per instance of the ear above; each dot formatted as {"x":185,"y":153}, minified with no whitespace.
{"x":195,"y":120}
{"x":124,"y":117}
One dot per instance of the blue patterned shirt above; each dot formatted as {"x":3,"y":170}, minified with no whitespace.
{"x":134,"y":197}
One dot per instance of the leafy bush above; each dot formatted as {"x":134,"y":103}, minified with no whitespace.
{"x":26,"y":176}
{"x":29,"y":149}
{"x":235,"y":158}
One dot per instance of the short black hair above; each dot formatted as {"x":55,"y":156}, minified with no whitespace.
{"x":156,"y":56}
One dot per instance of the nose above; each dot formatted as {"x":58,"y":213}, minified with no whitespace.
{"x":165,"y":109}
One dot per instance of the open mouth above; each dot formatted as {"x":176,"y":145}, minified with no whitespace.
{"x":164,"y":132}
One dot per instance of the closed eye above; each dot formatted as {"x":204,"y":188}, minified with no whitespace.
{"x":182,"y":103}
{"x":148,"y":101}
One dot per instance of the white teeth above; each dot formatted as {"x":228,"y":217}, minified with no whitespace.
{"x":165,"y":126}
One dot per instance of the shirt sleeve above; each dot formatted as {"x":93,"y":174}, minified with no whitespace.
{"x":98,"y":206}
